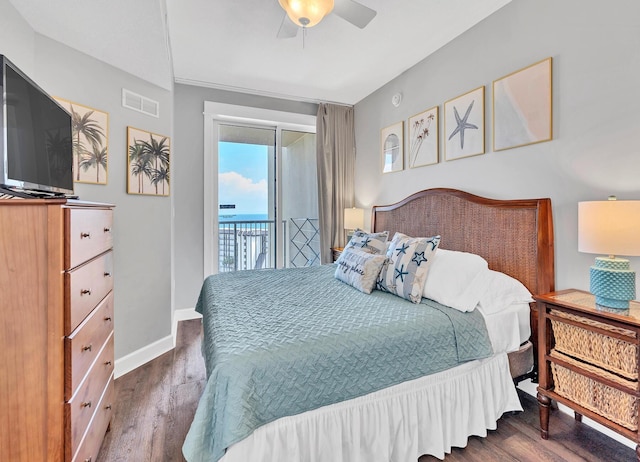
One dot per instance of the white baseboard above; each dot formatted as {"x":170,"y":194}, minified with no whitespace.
{"x":145,"y":354}
{"x":182,"y":315}
{"x":531,"y":389}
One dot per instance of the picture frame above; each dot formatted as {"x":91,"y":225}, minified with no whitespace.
{"x":424,"y":138}
{"x":148,"y":162}
{"x":90,"y":130}
{"x":392,"y":147}
{"x":464,"y":125}
{"x":522,"y":107}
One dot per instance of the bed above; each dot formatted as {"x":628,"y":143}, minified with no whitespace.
{"x":303,"y":367}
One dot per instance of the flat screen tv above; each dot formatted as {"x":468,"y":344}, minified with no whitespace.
{"x":36,"y":150}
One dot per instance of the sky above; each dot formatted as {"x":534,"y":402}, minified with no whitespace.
{"x":243,"y":170}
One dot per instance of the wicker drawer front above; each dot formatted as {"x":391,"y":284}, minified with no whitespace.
{"x":614,"y":354}
{"x":615,"y":405}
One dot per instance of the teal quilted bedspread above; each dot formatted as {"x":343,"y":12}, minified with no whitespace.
{"x":281,"y":342}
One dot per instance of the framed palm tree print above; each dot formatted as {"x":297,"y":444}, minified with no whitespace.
{"x":147,"y":162}
{"x":90,"y":130}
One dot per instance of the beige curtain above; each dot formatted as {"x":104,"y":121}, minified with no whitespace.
{"x":336,"y":156}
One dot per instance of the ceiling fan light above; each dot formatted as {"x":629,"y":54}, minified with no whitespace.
{"x":307,"y":13}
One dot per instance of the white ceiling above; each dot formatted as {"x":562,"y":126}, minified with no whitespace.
{"x":232,"y":44}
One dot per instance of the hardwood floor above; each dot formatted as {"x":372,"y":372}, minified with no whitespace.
{"x":156,"y":403}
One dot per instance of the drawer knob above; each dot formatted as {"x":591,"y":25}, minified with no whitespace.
{"x":85,"y":291}
{"x":87,"y":348}
{"x":86,"y":404}
{"x":108,"y":407}
{"x":107,"y":363}
{"x":107,"y":230}
{"x":85,"y":235}
{"x":107,"y":275}
{"x":107,"y":318}
{"x":88,"y":460}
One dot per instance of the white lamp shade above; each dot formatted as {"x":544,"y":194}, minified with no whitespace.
{"x":307,"y":13}
{"x":609,"y":227}
{"x":353,"y":218}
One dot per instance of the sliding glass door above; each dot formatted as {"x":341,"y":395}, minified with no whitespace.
{"x":247,"y":231}
{"x":264,"y":197}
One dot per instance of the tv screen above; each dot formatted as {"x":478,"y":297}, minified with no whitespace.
{"x":36,"y":151}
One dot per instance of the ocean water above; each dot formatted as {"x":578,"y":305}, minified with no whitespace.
{"x":230,"y":216}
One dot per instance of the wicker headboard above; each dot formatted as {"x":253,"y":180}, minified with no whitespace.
{"x":514,"y":236}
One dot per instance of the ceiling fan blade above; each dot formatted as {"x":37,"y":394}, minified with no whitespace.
{"x":287,"y":28}
{"x":354,"y":12}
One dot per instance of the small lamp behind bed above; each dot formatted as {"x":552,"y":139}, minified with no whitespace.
{"x":612,"y":228}
{"x":353,"y":219}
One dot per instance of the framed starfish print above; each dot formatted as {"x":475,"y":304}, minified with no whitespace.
{"x":464,"y":125}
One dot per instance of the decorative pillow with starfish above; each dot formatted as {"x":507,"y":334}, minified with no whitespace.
{"x":405,"y":271}
{"x":375,"y":243}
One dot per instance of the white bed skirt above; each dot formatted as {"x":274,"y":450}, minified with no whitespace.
{"x":429,"y":415}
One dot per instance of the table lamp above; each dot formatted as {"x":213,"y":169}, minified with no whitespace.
{"x":353,"y":219}
{"x":610,"y":227}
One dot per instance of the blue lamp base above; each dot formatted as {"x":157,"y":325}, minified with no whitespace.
{"x":612,"y":282}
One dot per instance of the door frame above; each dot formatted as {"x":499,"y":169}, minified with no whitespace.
{"x":216,"y":113}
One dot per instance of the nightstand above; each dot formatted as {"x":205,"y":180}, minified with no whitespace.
{"x":336,"y":252}
{"x":588,"y":359}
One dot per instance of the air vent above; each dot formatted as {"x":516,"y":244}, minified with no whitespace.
{"x":140,"y":103}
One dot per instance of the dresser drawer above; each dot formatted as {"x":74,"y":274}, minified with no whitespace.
{"x":90,"y":445}
{"x":81,"y":408}
{"x":85,"y":287}
{"x":84,"y":344}
{"x":90,"y":234}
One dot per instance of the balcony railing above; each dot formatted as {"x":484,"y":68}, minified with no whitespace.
{"x":244,"y":245}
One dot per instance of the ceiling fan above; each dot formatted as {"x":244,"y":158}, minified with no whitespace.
{"x":308,"y":13}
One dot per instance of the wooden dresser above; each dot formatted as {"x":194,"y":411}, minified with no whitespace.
{"x":56,"y":342}
{"x":88,"y":329}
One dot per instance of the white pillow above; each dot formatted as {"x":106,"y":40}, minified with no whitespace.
{"x":408,"y":261}
{"x":502,"y":291}
{"x":359,"y":269}
{"x":456,"y":279}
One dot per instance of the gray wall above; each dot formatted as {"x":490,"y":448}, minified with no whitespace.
{"x":595,"y":151}
{"x":17,"y":39}
{"x":142,"y":229}
{"x":188,"y":178}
